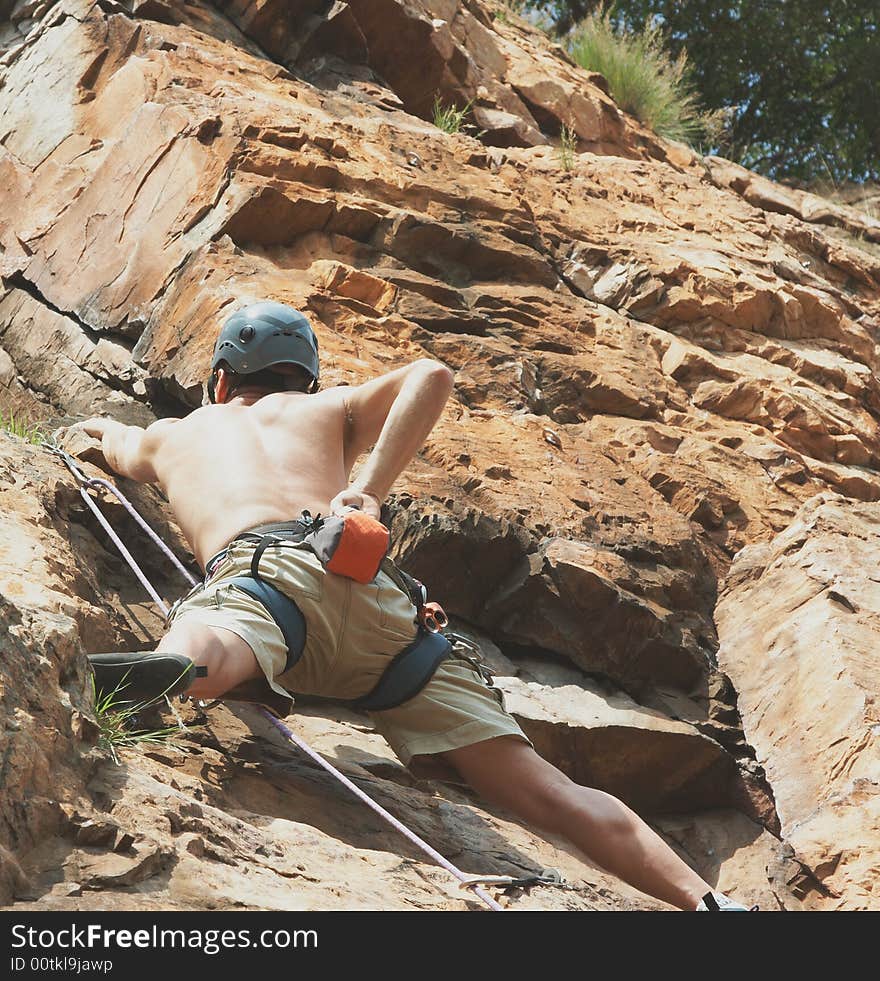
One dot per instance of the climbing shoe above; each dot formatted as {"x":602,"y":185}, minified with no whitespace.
{"x":144,"y":677}
{"x":717,"y":902}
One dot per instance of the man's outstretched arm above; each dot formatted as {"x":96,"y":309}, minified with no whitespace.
{"x":395,"y":412}
{"x":128,"y":450}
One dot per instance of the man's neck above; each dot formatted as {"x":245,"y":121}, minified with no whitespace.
{"x":248,"y":395}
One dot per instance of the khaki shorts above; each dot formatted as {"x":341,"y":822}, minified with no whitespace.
{"x":353,"y":630}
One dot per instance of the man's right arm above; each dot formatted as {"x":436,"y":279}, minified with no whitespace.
{"x":394,"y":414}
{"x":128,"y":450}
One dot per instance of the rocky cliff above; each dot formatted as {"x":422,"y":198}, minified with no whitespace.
{"x":652,"y":497}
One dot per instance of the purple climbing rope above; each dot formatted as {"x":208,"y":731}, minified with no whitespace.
{"x":389,"y":817}
{"x":125,"y":552}
{"x":97,"y":482}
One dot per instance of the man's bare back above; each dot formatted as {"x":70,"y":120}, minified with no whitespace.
{"x":261,"y":457}
{"x":226,"y":468}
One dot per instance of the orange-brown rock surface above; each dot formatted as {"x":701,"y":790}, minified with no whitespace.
{"x":802,"y":613}
{"x":659,"y":359}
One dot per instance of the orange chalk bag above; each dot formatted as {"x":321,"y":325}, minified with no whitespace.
{"x":351,"y":544}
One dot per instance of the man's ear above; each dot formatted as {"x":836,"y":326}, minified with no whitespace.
{"x":221,"y":387}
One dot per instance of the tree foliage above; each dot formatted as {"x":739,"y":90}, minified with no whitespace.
{"x":643,"y":78}
{"x":801,"y":77}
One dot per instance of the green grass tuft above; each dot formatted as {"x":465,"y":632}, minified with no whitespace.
{"x":451,"y":119}
{"x":116,"y":719}
{"x":567,"y":149}
{"x":643,"y":78}
{"x":28,"y":431}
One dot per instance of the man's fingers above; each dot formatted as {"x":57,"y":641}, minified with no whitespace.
{"x":63,"y":433}
{"x":355,"y":499}
{"x":370,"y":507}
{"x":371,"y":504}
{"x":339,"y":503}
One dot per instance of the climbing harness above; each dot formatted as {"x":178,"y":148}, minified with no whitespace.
{"x":428,"y":640}
{"x":407,"y":673}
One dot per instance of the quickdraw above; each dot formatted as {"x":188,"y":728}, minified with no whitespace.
{"x":549,"y":877}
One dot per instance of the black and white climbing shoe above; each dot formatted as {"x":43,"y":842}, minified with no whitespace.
{"x":143,"y":677}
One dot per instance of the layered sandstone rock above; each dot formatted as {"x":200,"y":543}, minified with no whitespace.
{"x":659,"y":358}
{"x":798,"y":623}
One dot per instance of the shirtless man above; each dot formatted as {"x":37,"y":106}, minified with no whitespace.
{"x":270,"y":447}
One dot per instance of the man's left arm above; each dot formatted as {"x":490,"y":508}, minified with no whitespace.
{"x":129,"y":450}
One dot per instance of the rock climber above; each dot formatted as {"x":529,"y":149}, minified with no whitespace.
{"x":252,"y":469}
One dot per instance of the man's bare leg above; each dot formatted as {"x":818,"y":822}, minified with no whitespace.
{"x":229,"y":660}
{"x":509,"y":773}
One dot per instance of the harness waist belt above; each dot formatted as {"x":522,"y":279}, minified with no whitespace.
{"x":297,"y":529}
{"x":294,"y":530}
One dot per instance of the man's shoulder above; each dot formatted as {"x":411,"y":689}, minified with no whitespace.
{"x":161,"y":425}
{"x":157,"y":431}
{"x":333,"y":398}
{"x":154,"y":437}
{"x":335,"y":391}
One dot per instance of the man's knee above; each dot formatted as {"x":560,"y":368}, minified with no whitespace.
{"x":195,"y":640}
{"x":228,"y":658}
{"x":508,"y":772}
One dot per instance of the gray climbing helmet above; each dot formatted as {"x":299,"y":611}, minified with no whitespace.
{"x":262,"y":335}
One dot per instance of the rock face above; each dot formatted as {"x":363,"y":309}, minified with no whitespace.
{"x":659,"y":358}
{"x":798,"y":623}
